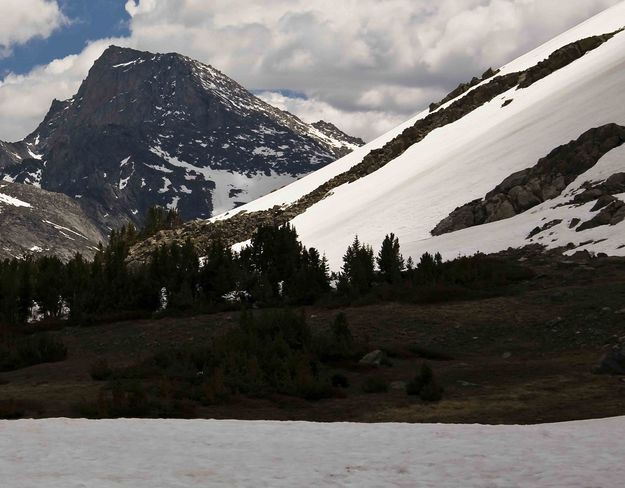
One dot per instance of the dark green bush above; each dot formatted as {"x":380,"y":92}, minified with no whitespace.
{"x":338,"y":343}
{"x":375,"y":384}
{"x":100,"y":370}
{"x":431,"y":392}
{"x":266,"y":354}
{"x":340,"y":381}
{"x":21,"y":352}
{"x":123,"y":402}
{"x":11,"y":410}
{"x":425,"y":385}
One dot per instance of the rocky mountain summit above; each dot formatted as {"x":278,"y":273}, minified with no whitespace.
{"x":162,"y":129}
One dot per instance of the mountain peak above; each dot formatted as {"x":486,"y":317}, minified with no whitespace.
{"x":333,"y":131}
{"x":150,"y":129}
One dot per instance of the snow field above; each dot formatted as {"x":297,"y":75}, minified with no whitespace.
{"x":61,"y":453}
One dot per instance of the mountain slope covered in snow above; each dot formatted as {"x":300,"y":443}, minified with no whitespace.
{"x":162,"y":129}
{"x":415,"y":177}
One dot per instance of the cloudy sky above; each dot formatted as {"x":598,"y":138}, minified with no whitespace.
{"x":365,"y":65}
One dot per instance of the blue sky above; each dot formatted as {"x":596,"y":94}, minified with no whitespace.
{"x":89,"y":20}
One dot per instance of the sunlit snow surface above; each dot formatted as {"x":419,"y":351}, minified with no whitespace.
{"x":177,"y":453}
{"x":465,"y":160}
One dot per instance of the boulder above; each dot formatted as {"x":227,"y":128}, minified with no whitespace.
{"x":603,"y":201}
{"x":523,"y":198}
{"x":374,"y":358}
{"x":611,"y":214}
{"x":613,"y":362}
{"x":504,"y":210}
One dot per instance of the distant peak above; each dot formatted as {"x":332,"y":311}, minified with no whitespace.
{"x":333,"y":131}
{"x":114,"y":50}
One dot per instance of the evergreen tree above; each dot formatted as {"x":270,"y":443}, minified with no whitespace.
{"x":358,"y":268}
{"x":220,"y":273}
{"x":389,"y":259}
{"x":25,"y":290}
{"x":48,"y":286}
{"x":76,"y":289}
{"x":159,"y":218}
{"x":311,"y":281}
{"x":272,"y":258}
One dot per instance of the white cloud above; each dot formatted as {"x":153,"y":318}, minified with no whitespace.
{"x":23,"y":20}
{"x":363,"y":64}
{"x":359,"y":123}
{"x":25,"y":99}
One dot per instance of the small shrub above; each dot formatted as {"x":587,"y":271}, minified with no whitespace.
{"x":429,"y":353}
{"x":338,"y":343}
{"x":315,"y":391}
{"x":16,"y":353}
{"x":127,"y":402}
{"x":340,"y":381}
{"x":265,"y":355}
{"x":375,"y":384}
{"x":431,"y":392}
{"x":425,"y":385}
{"x":10,"y":410}
{"x":100,"y":370}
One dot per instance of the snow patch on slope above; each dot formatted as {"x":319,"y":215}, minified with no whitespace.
{"x":9,"y":200}
{"x":231,"y":188}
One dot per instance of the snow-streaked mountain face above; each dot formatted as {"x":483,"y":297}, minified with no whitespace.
{"x":162,"y":129}
{"x":34,"y":221}
{"x":463,"y":152}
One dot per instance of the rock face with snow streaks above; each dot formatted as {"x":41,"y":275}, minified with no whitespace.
{"x":34,"y":221}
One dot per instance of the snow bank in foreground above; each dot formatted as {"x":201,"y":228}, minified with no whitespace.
{"x":175,"y":453}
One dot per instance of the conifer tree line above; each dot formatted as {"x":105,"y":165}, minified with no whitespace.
{"x":274,"y":270}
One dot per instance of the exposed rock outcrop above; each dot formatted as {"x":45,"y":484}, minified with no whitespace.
{"x":611,"y":214}
{"x":601,"y":191}
{"x":35,"y":221}
{"x":544,"y":181}
{"x":463,"y":88}
{"x":563,"y":57}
